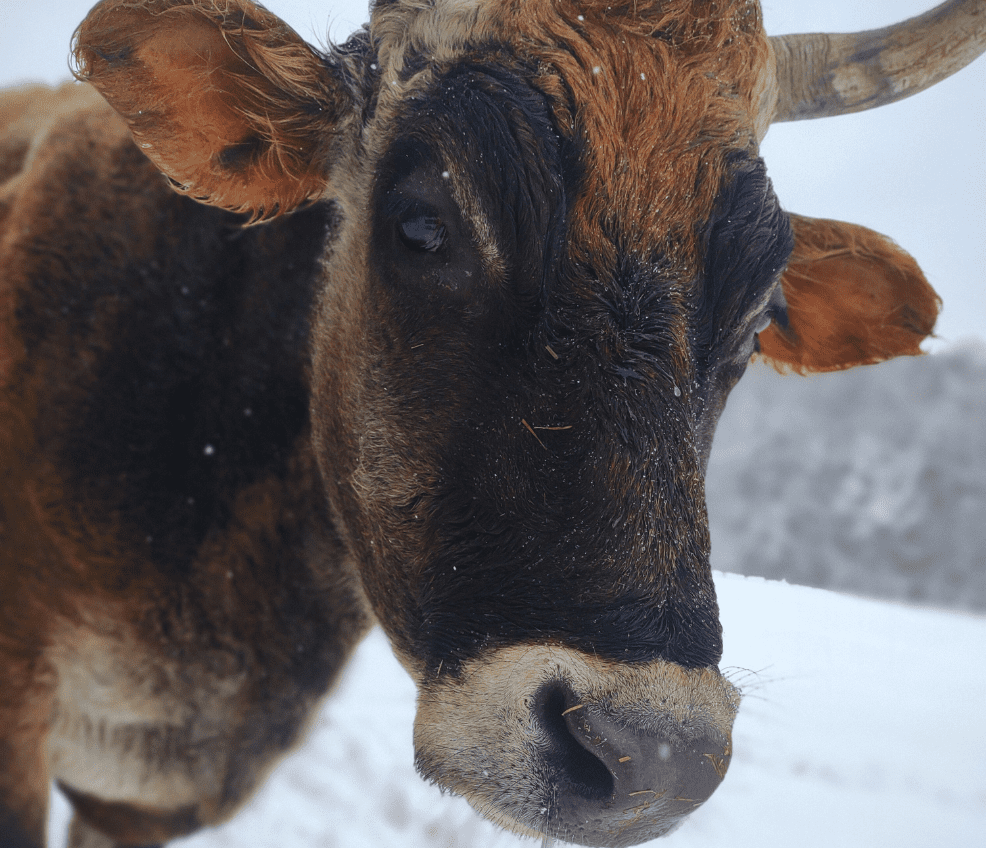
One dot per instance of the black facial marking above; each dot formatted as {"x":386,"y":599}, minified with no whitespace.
{"x":468,"y":206}
{"x":746,"y":247}
{"x":425,"y":248}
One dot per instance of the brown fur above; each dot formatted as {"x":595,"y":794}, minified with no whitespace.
{"x":40,"y":571}
{"x":651,"y":171}
{"x":854,"y":298}
{"x":249,"y":87}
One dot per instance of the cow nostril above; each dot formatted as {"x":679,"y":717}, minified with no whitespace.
{"x":576,"y":770}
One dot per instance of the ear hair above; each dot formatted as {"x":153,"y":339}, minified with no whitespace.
{"x":854,"y":297}
{"x":226,"y":99}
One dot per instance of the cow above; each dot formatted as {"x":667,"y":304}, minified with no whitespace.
{"x":430,"y":330}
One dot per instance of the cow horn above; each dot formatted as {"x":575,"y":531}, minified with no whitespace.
{"x":820,"y":75}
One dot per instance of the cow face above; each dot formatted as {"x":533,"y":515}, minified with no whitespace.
{"x":554,"y":363}
{"x":556,"y":248}
{"x":549,"y":349}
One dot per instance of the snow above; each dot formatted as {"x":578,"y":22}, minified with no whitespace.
{"x":861,"y":726}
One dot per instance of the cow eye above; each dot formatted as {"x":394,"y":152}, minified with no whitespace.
{"x":421,"y":229}
{"x":776,"y":312}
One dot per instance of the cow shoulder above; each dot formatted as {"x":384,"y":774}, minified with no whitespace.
{"x":154,"y":437}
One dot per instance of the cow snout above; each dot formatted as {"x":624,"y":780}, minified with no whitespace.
{"x":622,"y":777}
{"x":546,"y":739}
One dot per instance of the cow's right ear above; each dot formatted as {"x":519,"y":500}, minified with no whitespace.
{"x":224,"y":97}
{"x":854,"y":297}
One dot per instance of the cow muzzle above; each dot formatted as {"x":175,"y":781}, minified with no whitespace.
{"x":547,"y":740}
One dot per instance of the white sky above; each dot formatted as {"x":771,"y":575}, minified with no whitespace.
{"x":914,"y":170}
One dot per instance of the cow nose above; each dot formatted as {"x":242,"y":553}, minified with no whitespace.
{"x":547,"y":740}
{"x":618,"y":778}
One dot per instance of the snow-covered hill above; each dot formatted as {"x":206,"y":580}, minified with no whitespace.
{"x":861,"y":727}
{"x":870,"y":481}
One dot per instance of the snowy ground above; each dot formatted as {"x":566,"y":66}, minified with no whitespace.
{"x":861,"y":726}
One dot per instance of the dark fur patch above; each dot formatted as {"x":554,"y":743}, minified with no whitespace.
{"x":483,"y":110}
{"x":238,"y":157}
{"x":133,"y":824}
{"x":746,"y":246}
{"x":198,"y":389}
{"x":12,"y":835}
{"x":536,"y":534}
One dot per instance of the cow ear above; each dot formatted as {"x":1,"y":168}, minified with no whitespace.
{"x":224,"y":97}
{"x":853,"y":298}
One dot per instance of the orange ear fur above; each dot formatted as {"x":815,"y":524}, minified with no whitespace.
{"x":854,"y":298}
{"x":225,"y":98}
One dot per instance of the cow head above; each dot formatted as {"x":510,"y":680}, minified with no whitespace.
{"x":556,"y":249}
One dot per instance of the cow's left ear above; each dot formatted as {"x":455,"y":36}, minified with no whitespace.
{"x":854,"y":297}
{"x":224,"y":97}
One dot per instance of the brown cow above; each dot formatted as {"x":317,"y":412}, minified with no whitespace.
{"x":462,"y":381}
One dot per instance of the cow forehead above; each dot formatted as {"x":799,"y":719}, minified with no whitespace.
{"x":657,"y":93}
